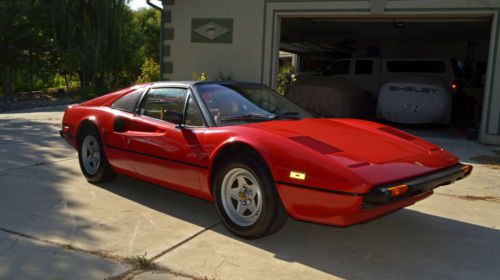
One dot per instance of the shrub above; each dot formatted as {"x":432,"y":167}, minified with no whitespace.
{"x":285,"y":78}
{"x":150,"y":71}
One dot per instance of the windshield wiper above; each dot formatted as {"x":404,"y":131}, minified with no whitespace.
{"x":249,"y":117}
{"x":287,"y":115}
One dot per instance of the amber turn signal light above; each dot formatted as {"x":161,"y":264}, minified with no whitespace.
{"x":467,"y":168}
{"x":398,"y":190}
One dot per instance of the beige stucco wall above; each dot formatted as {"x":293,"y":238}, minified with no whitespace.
{"x":241,"y":59}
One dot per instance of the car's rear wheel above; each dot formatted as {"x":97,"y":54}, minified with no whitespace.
{"x":246,"y":199}
{"x":93,"y":161}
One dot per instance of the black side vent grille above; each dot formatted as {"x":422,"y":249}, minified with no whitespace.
{"x":316,"y":145}
{"x":127,"y":102}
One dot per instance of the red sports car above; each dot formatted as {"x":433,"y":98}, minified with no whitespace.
{"x":257,"y":155}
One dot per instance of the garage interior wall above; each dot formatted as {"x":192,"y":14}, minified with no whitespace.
{"x":434,"y":49}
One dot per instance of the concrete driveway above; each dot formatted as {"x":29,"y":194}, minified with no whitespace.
{"x":55,"y":225}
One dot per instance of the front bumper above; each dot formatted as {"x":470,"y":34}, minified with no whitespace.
{"x":331,"y":208}
{"x":379,"y":195}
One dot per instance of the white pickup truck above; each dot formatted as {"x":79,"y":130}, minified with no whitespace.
{"x":372,"y":73}
{"x":408,"y":90}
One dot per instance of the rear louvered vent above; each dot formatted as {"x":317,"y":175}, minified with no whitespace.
{"x":397,"y":133}
{"x":316,"y":145}
{"x":127,"y":102}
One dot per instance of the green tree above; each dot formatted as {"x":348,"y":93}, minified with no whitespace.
{"x":101,"y":42}
{"x":26,"y":44}
{"x":147,"y":22}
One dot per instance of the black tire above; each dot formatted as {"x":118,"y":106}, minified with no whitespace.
{"x":272,"y":216}
{"x":104,"y":171}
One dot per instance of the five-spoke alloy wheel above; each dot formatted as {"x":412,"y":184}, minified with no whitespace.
{"x":93,"y":161}
{"x":91,"y":154}
{"x":246,"y":198}
{"x":241,"y":197}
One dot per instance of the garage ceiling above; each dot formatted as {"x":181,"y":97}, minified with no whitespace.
{"x":329,"y":30}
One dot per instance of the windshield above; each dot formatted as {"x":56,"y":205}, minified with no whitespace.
{"x":233,"y":104}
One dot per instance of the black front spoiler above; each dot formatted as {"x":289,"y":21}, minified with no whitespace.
{"x":419,"y":185}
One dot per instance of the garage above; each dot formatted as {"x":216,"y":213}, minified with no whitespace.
{"x":406,"y":53}
{"x":252,"y":40}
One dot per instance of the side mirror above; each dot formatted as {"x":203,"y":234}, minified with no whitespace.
{"x":173,"y":117}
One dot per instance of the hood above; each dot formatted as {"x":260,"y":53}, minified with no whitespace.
{"x":360,"y":140}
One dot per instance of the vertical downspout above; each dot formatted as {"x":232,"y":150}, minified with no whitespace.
{"x":162,"y":22}
{"x":162,"y":30}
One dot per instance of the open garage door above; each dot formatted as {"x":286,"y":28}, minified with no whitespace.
{"x":419,"y":71}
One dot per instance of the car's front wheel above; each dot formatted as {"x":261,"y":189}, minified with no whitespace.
{"x":246,"y":199}
{"x":93,"y":161}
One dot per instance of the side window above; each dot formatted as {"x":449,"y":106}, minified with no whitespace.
{"x":338,"y":68}
{"x":364,"y":67}
{"x":127,"y":102}
{"x":160,"y":100}
{"x":193,"y":115}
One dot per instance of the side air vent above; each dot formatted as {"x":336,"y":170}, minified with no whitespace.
{"x":316,"y":145}
{"x":397,"y":133}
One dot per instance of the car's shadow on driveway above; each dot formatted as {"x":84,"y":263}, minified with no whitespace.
{"x":407,"y":242}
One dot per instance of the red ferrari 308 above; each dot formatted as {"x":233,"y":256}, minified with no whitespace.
{"x":258,"y":156}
